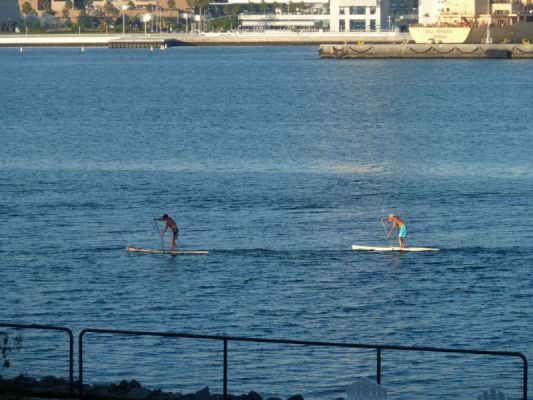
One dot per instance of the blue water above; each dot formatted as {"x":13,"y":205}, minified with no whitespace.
{"x":276,"y":162}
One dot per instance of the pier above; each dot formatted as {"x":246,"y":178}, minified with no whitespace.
{"x":426,"y":51}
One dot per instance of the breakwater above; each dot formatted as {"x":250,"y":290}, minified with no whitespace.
{"x":53,"y":387}
{"x":407,"y":50}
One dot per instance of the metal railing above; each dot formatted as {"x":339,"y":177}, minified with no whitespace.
{"x":225,"y":339}
{"x":52,"y":328}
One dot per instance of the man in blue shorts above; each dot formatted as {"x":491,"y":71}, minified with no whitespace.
{"x":402,"y":229}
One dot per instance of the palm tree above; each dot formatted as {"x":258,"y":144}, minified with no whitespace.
{"x":171,"y":4}
{"x":198,"y":4}
{"x":110,"y":9}
{"x":26,"y":10}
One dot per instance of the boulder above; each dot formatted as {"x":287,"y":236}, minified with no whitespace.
{"x":253,"y":396}
{"x":296,"y":397}
{"x":24,"y":382}
{"x":134,"y":384}
{"x":202,"y":394}
{"x":139,"y":393}
{"x":50,"y":381}
{"x":123,"y":386}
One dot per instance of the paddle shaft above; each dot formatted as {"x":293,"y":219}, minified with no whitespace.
{"x":386,"y":233}
{"x":159,"y":233}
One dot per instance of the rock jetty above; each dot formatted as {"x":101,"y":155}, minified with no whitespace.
{"x":52,"y":387}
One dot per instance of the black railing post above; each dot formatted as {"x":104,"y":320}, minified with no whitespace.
{"x":524,"y":384}
{"x":378,"y":366}
{"x":80,"y":364}
{"x":71,"y":363}
{"x":225,"y":369}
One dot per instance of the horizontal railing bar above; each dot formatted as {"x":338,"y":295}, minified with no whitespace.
{"x":305,"y":342}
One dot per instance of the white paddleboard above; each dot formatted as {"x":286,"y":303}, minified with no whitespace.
{"x":156,"y":251}
{"x":382,"y":248}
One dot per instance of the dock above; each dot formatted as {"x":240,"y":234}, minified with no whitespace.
{"x":426,"y":51}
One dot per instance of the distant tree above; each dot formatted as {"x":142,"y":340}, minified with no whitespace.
{"x":110,"y":9}
{"x":198,"y":4}
{"x":26,"y":9}
{"x":171,"y":4}
{"x":263,"y":7}
{"x":46,"y":5}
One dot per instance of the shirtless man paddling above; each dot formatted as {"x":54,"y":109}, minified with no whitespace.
{"x":170,"y":223}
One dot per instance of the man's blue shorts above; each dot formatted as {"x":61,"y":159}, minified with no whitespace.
{"x":403,"y":232}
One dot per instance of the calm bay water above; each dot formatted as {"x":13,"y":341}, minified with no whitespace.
{"x":276,"y":162}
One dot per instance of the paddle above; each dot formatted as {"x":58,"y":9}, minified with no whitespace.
{"x":386,"y":233}
{"x":159,"y":233}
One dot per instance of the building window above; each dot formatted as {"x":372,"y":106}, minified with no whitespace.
{"x":341,"y":11}
{"x":373,"y":25}
{"x":342,"y":25}
{"x":357,"y":25}
{"x":357,"y":10}
{"x":372,"y":10}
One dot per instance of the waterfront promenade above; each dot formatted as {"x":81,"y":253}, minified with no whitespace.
{"x":203,"y":39}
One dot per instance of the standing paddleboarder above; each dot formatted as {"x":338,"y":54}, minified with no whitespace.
{"x":170,"y":223}
{"x":402,"y":229}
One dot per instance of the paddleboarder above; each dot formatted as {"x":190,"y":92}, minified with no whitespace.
{"x":402,"y":229}
{"x":170,"y":223}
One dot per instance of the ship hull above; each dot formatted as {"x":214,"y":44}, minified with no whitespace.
{"x":516,"y":33}
{"x":521,"y":32}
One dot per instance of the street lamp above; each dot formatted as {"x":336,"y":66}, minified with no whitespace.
{"x":186,"y":16}
{"x":488,"y":39}
{"x":124,"y":8}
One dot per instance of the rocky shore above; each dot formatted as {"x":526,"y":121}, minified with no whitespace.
{"x":51,"y":387}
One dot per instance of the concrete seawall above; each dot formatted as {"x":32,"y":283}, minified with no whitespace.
{"x":425,"y":51}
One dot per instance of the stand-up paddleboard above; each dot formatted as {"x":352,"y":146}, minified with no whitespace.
{"x":155,"y":251}
{"x":383,"y":248}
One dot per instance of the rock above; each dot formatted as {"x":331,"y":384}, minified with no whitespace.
{"x":134,"y":384}
{"x":253,"y":396}
{"x":113,"y":388}
{"x":123,"y":386}
{"x":273,"y":398}
{"x":49,"y":381}
{"x":202,"y":394}
{"x":296,"y":397}
{"x":138,"y":393}
{"x":23,"y":381}
{"x":100,"y":390}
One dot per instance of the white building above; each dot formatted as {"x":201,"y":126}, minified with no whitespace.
{"x":355,"y":15}
{"x":333,"y":16}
